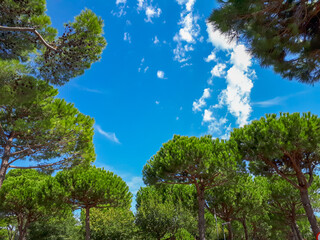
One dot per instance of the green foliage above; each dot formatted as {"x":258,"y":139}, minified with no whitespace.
{"x":55,"y":228}
{"x":182,"y":159}
{"x":24,"y":199}
{"x":88,"y":186}
{"x":288,"y":146}
{"x":164,"y":211}
{"x":244,"y":200}
{"x":36,"y":126}
{"x":282,"y":34}
{"x":277,"y":144}
{"x":113,"y":224}
{"x":54,"y":59}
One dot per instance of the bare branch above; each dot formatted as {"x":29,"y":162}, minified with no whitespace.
{"x":26,"y":29}
{"x":39,"y":166}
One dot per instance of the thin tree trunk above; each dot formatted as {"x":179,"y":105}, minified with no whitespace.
{"x":296,"y":230}
{"x":22,"y":228}
{"x":4,"y":164}
{"x":244,"y":224}
{"x":3,"y":169}
{"x":87,"y":223}
{"x":201,"y":219}
{"x":230,"y":232}
{"x":309,"y":211}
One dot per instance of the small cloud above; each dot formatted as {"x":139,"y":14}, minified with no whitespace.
{"x":152,"y":12}
{"x":157,"y":102}
{"x":197,"y":105}
{"x":218,"y":70}
{"x":177,"y":118}
{"x":121,"y":2}
{"x":111,"y":136}
{"x":149,"y":10}
{"x":211,"y":57}
{"x":156,"y":40}
{"x":160,"y":74}
{"x":207,"y":116}
{"x":146,"y":69}
{"x":127,"y":37}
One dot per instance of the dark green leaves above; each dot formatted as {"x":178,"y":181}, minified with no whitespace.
{"x":281,"y":34}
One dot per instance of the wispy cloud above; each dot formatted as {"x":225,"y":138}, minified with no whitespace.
{"x":121,"y":5}
{"x":188,"y":33}
{"x":149,"y":10}
{"x":86,"y":89}
{"x":109,"y":135}
{"x":127,"y":37}
{"x":277,"y":100}
{"x":198,"y":104}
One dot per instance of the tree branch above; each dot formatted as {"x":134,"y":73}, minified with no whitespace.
{"x":39,"y":166}
{"x":26,"y":29}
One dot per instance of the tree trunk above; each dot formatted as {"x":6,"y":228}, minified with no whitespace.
{"x":230,"y":232}
{"x":296,"y":232}
{"x":244,"y":224}
{"x":201,"y":220}
{"x":87,"y":223}
{"x":4,"y":163}
{"x":22,"y":228}
{"x":3,"y":169}
{"x":309,"y":211}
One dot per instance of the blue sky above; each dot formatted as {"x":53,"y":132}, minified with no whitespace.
{"x":165,"y":71}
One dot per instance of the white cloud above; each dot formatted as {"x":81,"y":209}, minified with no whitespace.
{"x":121,"y":2}
{"x":111,"y":136}
{"x":188,"y":33}
{"x":156,"y":40}
{"x":150,"y":10}
{"x":140,"y":3}
{"x":160,"y":74}
{"x":146,"y":69}
{"x":240,"y":57}
{"x":218,"y":70}
{"x":207,"y":116}
{"x":127,"y":37}
{"x":216,"y":126}
{"x":157,"y":102}
{"x":197,"y":105}
{"x":177,"y":118}
{"x":236,"y":97}
{"x":219,"y":40}
{"x":211,"y":57}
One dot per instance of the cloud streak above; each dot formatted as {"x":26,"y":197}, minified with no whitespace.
{"x":110,"y":136}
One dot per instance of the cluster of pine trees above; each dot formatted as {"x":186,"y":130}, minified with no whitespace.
{"x":261,"y":183}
